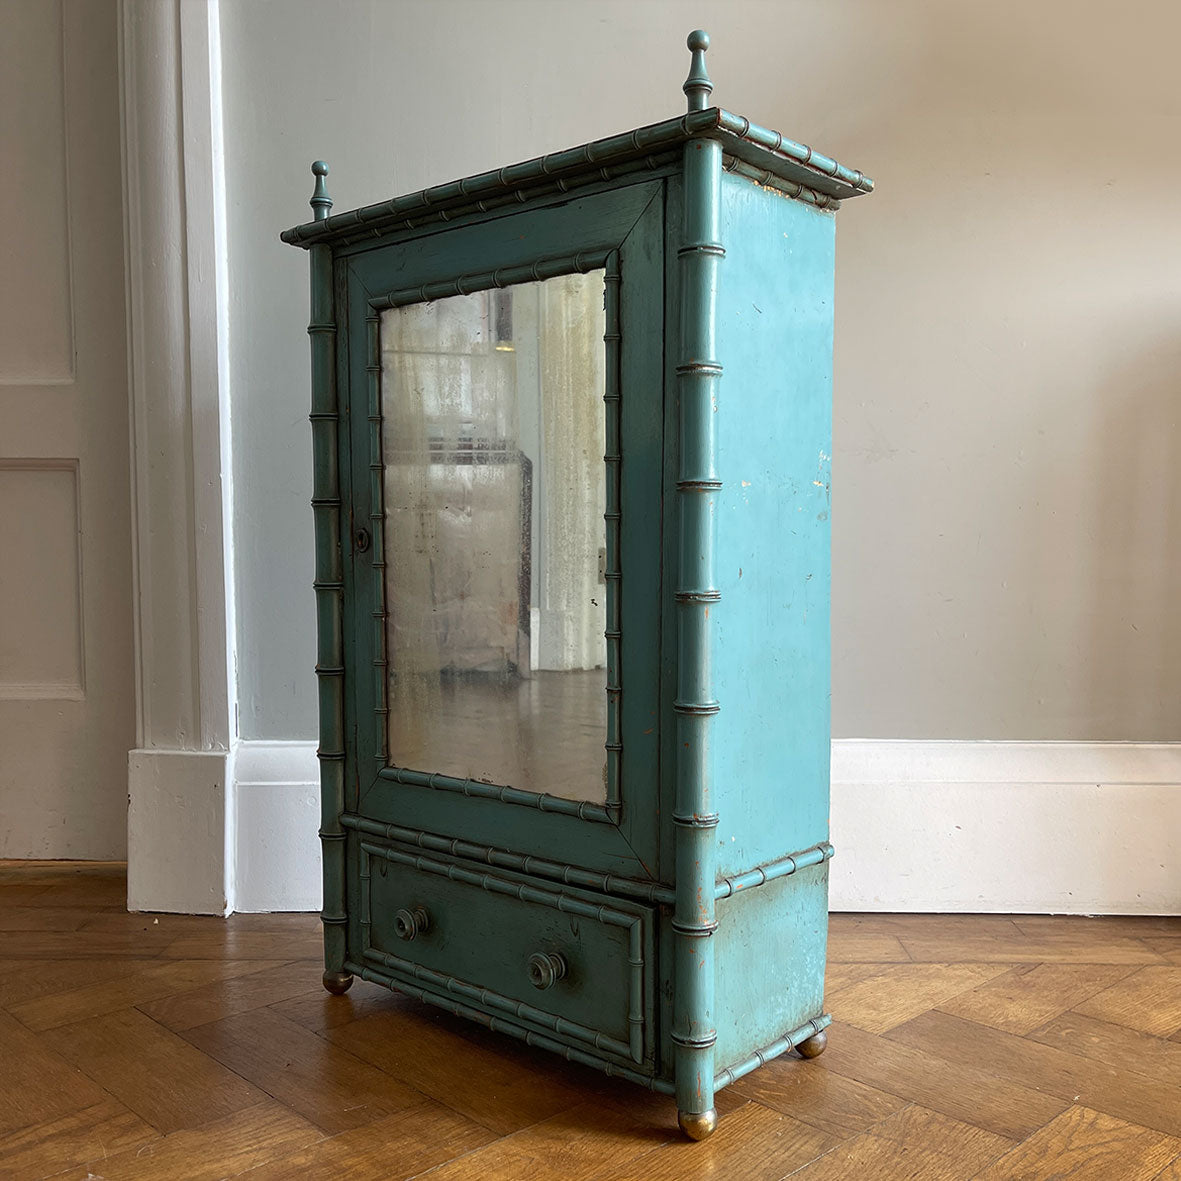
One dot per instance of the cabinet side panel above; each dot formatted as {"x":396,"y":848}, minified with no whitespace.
{"x":771,"y":943}
{"x":771,"y":654}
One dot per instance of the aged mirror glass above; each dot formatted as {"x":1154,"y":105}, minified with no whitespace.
{"x":495,"y":489}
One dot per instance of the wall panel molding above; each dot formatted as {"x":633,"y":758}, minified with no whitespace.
{"x":43,"y":657}
{"x":37,"y":344}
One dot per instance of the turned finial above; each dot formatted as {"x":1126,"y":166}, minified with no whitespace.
{"x":320,"y":201}
{"x":697,"y":86}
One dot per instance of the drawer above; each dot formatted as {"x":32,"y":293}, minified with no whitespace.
{"x":574,"y":965}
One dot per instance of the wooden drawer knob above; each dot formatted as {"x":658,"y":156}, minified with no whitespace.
{"x":409,"y":923}
{"x":546,"y":969}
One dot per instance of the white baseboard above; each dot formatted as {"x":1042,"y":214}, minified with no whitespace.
{"x":1011,"y":827}
{"x":277,"y":858}
{"x":1007,"y":827}
{"x":178,"y":840}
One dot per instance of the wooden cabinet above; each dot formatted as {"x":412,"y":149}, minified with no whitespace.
{"x":571,"y":430}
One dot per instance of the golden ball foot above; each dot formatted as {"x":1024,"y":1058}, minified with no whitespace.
{"x":698,"y":1124}
{"x":338,"y":983}
{"x":813,"y":1047}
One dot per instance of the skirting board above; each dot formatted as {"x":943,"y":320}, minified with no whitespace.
{"x":1021,"y":827}
{"x":180,"y":822}
{"x":1006,"y":827}
{"x":277,"y":795}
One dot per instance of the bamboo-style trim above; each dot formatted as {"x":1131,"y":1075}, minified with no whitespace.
{"x":377,"y":538}
{"x":365,"y":878}
{"x":588,"y":163}
{"x":498,"y":1025}
{"x":489,"y":999}
{"x":329,"y":589}
{"x":542,"y":801}
{"x":773,"y":870}
{"x":521,"y":863}
{"x":649,"y":167}
{"x":788,"y":188}
{"x":613,"y":573}
{"x":533,"y":272}
{"x":732,"y":1073}
{"x":694,"y":819}
{"x":571,"y":875}
{"x":494,"y":885}
{"x":537,"y":895}
{"x":420,"y":217}
{"x":775,"y":143}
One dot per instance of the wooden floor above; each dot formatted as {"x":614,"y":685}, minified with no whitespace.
{"x":136,"y":1046}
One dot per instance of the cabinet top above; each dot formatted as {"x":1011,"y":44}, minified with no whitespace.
{"x":764,"y":156}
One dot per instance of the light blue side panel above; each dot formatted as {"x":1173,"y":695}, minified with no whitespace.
{"x":770,"y":950}
{"x":774,"y":418}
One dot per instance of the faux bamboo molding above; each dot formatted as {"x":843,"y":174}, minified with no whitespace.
{"x":788,"y":149}
{"x":329,"y":589}
{"x":589,"y":163}
{"x":584,"y":878}
{"x":773,"y":870}
{"x":376,"y":538}
{"x":490,"y":999}
{"x":427,"y":217}
{"x":780,"y":1046}
{"x":499,"y":1025}
{"x":522,"y":863}
{"x":614,"y":1070}
{"x":613,"y":570}
{"x":764,"y":176}
{"x":544,"y":268}
{"x":536,"y":895}
{"x":694,"y":817}
{"x":495,"y":885}
{"x":543,"y":801}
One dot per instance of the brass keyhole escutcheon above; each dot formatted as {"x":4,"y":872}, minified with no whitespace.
{"x":363,"y":540}
{"x":410,"y":923}
{"x":546,"y":968}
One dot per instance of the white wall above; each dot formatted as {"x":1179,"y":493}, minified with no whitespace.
{"x":1007,"y":546}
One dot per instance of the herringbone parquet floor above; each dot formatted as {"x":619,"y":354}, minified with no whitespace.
{"x":136,"y":1046}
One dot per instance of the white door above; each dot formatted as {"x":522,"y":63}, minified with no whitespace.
{"x":66,"y":661}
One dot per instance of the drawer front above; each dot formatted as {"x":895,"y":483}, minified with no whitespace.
{"x":575,"y":965}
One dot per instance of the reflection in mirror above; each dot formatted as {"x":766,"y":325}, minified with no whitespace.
{"x":495,"y":489}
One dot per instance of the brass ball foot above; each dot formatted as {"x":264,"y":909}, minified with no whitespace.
{"x":813,"y":1047}
{"x":698,"y":1124}
{"x":338,"y":983}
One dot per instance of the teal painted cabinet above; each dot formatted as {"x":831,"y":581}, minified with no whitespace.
{"x":571,"y":430}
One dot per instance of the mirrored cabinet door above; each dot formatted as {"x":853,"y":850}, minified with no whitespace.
{"x":496,"y":581}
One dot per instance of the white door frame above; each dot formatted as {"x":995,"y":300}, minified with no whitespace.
{"x":180,"y":775}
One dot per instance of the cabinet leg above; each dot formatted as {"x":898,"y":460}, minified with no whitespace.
{"x":337,"y":983}
{"x":813,"y":1047}
{"x":697,"y":1125}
